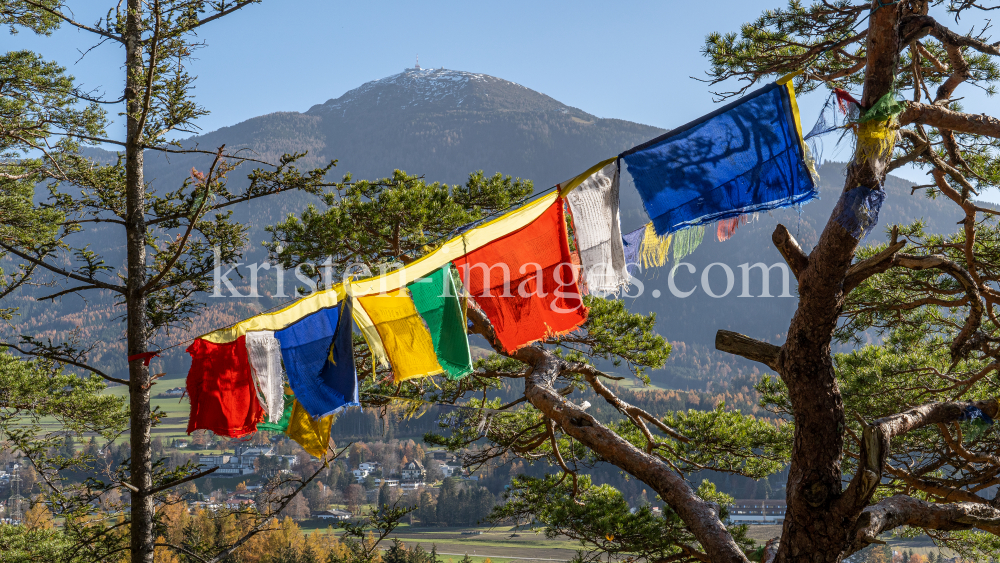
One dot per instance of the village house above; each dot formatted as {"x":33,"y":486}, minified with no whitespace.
{"x":338,"y":515}
{"x":414,"y":471}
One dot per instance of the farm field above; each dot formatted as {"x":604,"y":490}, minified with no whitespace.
{"x":494,"y":543}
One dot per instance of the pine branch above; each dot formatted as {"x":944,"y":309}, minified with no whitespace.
{"x":60,"y":271}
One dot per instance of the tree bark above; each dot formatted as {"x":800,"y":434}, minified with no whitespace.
{"x":140,"y":420}
{"x":817,"y":526}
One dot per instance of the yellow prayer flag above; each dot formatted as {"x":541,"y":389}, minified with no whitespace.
{"x":312,"y":435}
{"x":404,"y":334}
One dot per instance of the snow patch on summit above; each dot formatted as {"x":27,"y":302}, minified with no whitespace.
{"x":415,"y":87}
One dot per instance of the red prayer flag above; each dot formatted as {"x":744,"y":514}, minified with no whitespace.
{"x":727,"y":227}
{"x":145,"y":357}
{"x":526,"y":303}
{"x":221,"y":389}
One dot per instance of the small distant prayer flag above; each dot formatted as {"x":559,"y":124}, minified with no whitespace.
{"x":744,"y":157}
{"x":686,"y":241}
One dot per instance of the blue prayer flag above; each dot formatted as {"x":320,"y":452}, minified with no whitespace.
{"x":744,"y":157}
{"x":631,"y":243}
{"x":319,"y":359}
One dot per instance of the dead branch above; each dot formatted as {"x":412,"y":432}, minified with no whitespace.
{"x":746,"y":347}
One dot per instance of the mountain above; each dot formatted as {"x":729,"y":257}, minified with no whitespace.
{"x":444,"y":124}
{"x":439,"y":123}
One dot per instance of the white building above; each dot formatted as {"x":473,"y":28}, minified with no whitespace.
{"x":413,"y":471}
{"x":368,"y":466}
{"x":338,"y":515}
{"x":360,"y":475}
{"x":242,"y":462}
{"x":451,"y":470}
{"x":757,"y":511}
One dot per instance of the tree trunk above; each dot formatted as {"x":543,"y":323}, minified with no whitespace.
{"x":820,"y":520}
{"x":140,"y":419}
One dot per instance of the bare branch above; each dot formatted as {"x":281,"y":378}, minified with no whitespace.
{"x":626,"y":408}
{"x":901,"y":510}
{"x":746,"y":347}
{"x":913,"y":27}
{"x":790,"y":250}
{"x":224,"y":12}
{"x":944,"y":118}
{"x":68,"y":291}
{"x":878,"y":436}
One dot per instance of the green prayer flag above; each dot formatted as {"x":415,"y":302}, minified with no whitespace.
{"x":286,"y":415}
{"x":437,"y":302}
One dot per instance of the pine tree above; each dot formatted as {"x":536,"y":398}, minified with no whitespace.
{"x":171,"y":238}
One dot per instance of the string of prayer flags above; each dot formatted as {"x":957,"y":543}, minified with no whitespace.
{"x":407,"y":341}
{"x":686,"y":241}
{"x":281,"y":424}
{"x":593,"y":203}
{"x":524,"y":282}
{"x":313,"y":434}
{"x":746,"y":156}
{"x":319,"y":359}
{"x":221,"y":389}
{"x":436,"y":300}
{"x":265,"y":366}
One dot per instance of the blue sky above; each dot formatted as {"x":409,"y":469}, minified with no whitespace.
{"x":629,"y":60}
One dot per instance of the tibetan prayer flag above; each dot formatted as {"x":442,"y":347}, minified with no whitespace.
{"x":597,"y":226}
{"x":744,"y":157}
{"x":632,"y":243}
{"x":687,"y":241}
{"x":221,"y":389}
{"x":370,"y":334}
{"x":319,"y":359}
{"x":268,"y":377}
{"x":282,"y":424}
{"x":525,"y":283}
{"x":436,"y":299}
{"x":407,"y":341}
{"x":313,"y":434}
{"x":727,"y":227}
